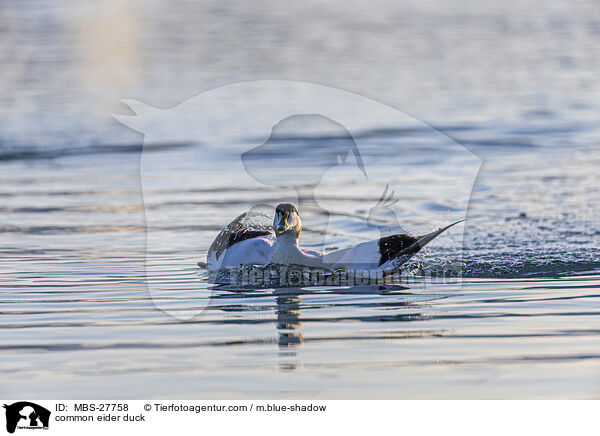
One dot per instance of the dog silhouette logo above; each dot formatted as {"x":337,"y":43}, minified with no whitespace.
{"x":26,"y":415}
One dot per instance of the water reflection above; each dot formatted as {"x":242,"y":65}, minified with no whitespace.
{"x":289,"y":306}
{"x":387,"y":309}
{"x":288,"y":324}
{"x":288,"y":318}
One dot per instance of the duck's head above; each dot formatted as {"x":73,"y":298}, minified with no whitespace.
{"x":287,"y":220}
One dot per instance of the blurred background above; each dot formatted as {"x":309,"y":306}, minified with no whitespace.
{"x":66,"y":64}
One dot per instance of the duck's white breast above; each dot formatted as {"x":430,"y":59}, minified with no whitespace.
{"x":254,"y":251}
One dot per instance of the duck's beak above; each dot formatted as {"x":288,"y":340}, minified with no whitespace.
{"x":280,"y":223}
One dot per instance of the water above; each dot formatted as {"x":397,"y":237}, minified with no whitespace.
{"x":515,"y":84}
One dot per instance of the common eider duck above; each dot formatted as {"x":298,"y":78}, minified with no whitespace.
{"x":237,"y":246}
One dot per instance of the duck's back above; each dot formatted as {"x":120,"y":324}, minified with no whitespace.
{"x":374,"y":254}
{"x":361,"y":256}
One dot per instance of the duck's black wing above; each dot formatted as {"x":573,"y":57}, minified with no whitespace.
{"x":236,"y":231}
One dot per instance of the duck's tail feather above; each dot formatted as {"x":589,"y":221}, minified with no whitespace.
{"x":425,"y":239}
{"x":420,"y":242}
